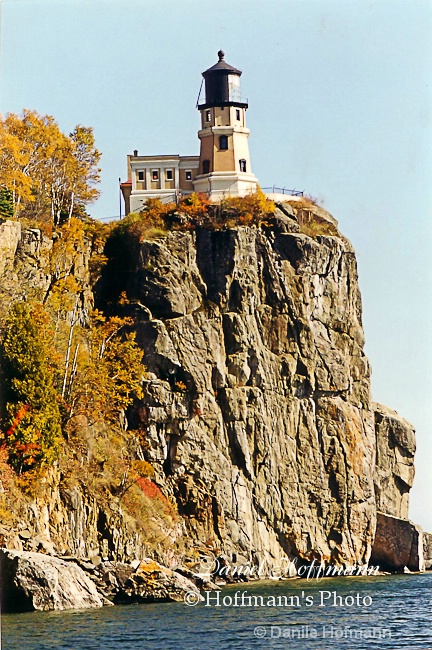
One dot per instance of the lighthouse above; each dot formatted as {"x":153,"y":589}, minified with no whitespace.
{"x":223,"y":167}
{"x":224,"y":161}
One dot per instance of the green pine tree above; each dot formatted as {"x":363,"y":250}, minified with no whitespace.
{"x":32,"y":428}
{"x":6,"y":203}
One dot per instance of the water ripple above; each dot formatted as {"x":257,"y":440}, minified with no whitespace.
{"x":402,"y":605}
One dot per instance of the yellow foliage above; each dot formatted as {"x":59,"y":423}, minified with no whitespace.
{"x":153,"y":567}
{"x":29,"y":483}
{"x":47,"y":172}
{"x":251,"y":208}
{"x":33,"y":424}
{"x":195,"y":206}
{"x":315,"y":228}
{"x":194,"y":211}
{"x":143,"y":468}
{"x":109,"y":371}
{"x":302,"y":202}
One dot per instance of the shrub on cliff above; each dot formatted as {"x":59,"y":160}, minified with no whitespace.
{"x":146,"y":224}
{"x":32,"y":423}
{"x":191,"y":212}
{"x":244,"y":210}
{"x":195,"y":211}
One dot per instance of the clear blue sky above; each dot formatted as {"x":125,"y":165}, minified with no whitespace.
{"x":339,"y":105}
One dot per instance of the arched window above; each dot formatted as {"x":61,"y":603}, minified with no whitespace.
{"x":206,"y":166}
{"x":242,"y":163}
{"x":223,"y":142}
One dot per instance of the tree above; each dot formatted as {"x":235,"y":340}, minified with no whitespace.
{"x":106,"y":374}
{"x":6,"y":203}
{"x":14,"y":165}
{"x":32,"y":434}
{"x":87,"y":173}
{"x":47,"y":171}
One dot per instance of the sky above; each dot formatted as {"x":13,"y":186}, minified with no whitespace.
{"x":340,"y":103}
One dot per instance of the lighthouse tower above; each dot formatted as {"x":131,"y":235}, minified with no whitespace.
{"x":224,"y":161}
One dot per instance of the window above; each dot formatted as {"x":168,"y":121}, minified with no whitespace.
{"x":155,"y":174}
{"x":140,"y":176}
{"x":206,"y":166}
{"x":234,"y":88}
{"x":238,"y":114}
{"x":223,"y":142}
{"x":242,"y":163}
{"x":208,"y":116}
{"x":188,"y":175}
{"x":169,"y":174}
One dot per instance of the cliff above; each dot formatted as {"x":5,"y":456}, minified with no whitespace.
{"x":270,"y":447}
{"x":257,"y":410}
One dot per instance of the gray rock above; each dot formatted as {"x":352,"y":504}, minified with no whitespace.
{"x":10,"y":235}
{"x":167,"y":279}
{"x":313,"y":212}
{"x":398,"y":543}
{"x":394,"y":476}
{"x":135,"y":564}
{"x":33,"y":581}
{"x":152,"y":582}
{"x":280,"y":458}
{"x":286,"y":209}
{"x":427,"y":550}
{"x":284,"y":219}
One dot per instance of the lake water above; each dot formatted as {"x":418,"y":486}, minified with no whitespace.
{"x":399,"y":616}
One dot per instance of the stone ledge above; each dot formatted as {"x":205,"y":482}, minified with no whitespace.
{"x":398,"y":544}
{"x":34,"y":581}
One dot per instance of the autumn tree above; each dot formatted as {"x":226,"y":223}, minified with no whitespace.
{"x":32,"y":424}
{"x":46,"y":171}
{"x":106,"y":374}
{"x":87,"y":173}
{"x":15,"y":164}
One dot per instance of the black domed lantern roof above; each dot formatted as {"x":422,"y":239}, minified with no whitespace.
{"x":221,"y":67}
{"x":222,"y":84}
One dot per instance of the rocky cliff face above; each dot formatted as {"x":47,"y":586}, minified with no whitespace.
{"x":257,"y":405}
{"x":398,"y":542}
{"x":257,"y":409}
{"x":28,"y":268}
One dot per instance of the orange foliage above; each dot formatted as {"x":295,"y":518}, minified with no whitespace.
{"x":19,"y":416}
{"x":152,"y":491}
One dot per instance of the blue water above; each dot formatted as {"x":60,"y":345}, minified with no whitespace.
{"x":401,"y":612}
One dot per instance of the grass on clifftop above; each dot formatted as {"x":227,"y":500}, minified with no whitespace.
{"x":313,"y":220}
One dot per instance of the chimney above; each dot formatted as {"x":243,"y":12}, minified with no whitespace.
{"x":135,"y":153}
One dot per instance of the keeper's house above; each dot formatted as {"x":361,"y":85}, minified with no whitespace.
{"x":163,"y":177}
